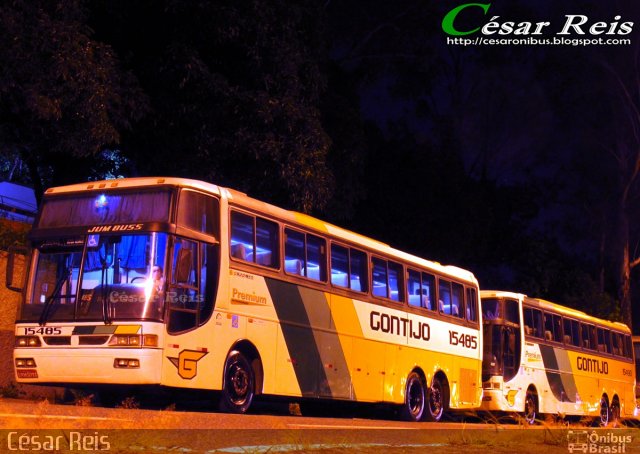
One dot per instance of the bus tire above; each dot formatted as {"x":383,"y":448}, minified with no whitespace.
{"x":414,"y":398}
{"x":238,"y":386}
{"x":605,"y":411}
{"x":436,"y":400}
{"x":530,"y":408}
{"x":614,"y":413}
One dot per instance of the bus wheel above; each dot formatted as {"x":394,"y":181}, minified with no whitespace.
{"x":238,"y":385}
{"x":605,"y":411}
{"x":530,"y":408}
{"x":435,"y":400}
{"x":614,"y":413}
{"x":414,"y":398}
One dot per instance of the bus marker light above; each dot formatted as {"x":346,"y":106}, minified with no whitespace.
{"x":126,"y":363}
{"x":28,"y":341}
{"x":25,"y":362}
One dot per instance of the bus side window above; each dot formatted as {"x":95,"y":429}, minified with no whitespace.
{"x":575,"y":333}
{"x":242,"y":236}
{"x":584,"y":333}
{"x":548,"y":327}
{"x":444,"y":296}
{"x":429,"y":292}
{"x":358,"y":271}
{"x":339,"y":266}
{"x":387,"y":279}
{"x":604,"y":339}
{"x":305,"y":255}
{"x":472,"y":305}
{"x":528,"y":321}
{"x":414,"y":288}
{"x":457,"y":301}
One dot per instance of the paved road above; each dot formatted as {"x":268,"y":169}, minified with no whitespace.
{"x":37,"y":426}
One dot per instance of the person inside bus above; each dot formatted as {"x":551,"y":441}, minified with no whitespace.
{"x":158,"y":280}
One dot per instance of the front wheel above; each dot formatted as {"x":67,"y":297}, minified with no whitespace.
{"x":605,"y":412}
{"x":414,"y":398}
{"x":238,"y":385}
{"x":530,"y":408}
{"x":435,"y":401}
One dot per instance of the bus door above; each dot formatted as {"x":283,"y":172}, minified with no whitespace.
{"x":190,"y":288}
{"x":502,"y":344}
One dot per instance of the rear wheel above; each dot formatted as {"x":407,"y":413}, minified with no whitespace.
{"x":435,"y":400}
{"x":238,"y":385}
{"x":614,"y":413}
{"x":414,"y":398}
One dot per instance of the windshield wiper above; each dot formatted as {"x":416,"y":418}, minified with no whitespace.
{"x":48,"y":304}
{"x":104,"y":294}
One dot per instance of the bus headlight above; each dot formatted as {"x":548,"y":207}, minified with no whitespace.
{"x":28,"y":341}
{"x":134,"y":340}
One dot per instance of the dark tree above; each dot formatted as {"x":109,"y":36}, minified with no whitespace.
{"x":235,"y":90}
{"x":62,"y":94}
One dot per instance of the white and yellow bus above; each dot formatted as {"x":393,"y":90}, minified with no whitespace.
{"x":184,"y":284}
{"x":543,"y":358}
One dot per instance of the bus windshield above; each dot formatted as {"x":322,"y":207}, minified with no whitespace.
{"x":98,"y":277}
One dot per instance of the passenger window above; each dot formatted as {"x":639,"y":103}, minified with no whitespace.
{"x":552,"y":327}
{"x":444,"y":297}
{"x":421,"y":289}
{"x":379,"y":277}
{"x":359,"y":271}
{"x":387,"y":279}
{"x":457,"y":309}
{"x":267,"y":243}
{"x":472,"y":305}
{"x":304,"y":255}
{"x":604,"y":340}
{"x":616,"y":344}
{"x":575,"y":333}
{"x":339,"y":266}
{"x":254,"y":239}
{"x":395,"y":282}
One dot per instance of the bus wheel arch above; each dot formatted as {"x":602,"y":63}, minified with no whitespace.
{"x":242,"y":378}
{"x":437,"y":397}
{"x":531,"y":405}
{"x":415,"y":399}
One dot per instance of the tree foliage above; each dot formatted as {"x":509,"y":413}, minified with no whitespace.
{"x":235,"y":90}
{"x":62,"y":94}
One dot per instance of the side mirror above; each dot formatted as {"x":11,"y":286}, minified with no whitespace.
{"x":16,"y":268}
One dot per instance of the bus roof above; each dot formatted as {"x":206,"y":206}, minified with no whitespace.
{"x":555,"y":307}
{"x":241,"y":199}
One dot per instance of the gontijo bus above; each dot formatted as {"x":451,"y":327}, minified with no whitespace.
{"x":540,"y":357}
{"x":184,"y":284}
